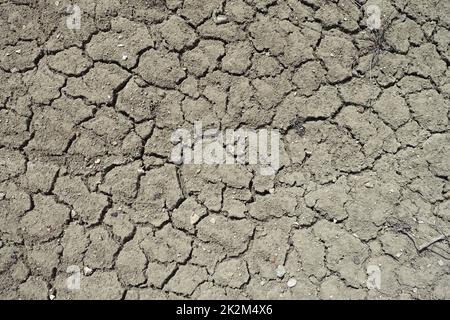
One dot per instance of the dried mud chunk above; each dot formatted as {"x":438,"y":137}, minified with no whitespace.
{"x":346,"y":255}
{"x":370,"y":131}
{"x":169,"y":113}
{"x":239,"y":11}
{"x":14,"y":202}
{"x":39,"y":176}
{"x":51,"y":137}
{"x":98,"y":286}
{"x":121,"y":182}
{"x":130,"y":264}
{"x":392,"y":108}
{"x":370,"y":207}
{"x":158,"y":273}
{"x":298,"y":49}
{"x":44,"y":85}
{"x":44,"y":258}
{"x":311,"y":253}
{"x":89,"y":205}
{"x":237,"y":57}
{"x":442,"y":38}
{"x":99,"y":84}
{"x":104,"y":120}
{"x":267,"y":35}
{"x":338,"y":54}
{"x":324,"y":103}
{"x":411,"y":134}
{"x":281,"y":203}
{"x":227,"y":32}
{"x":75,"y":242}
{"x":187,"y":215}
{"x":204,"y":57}
{"x":330,"y":200}
{"x":102,"y":249}
{"x":45,"y":221}
{"x":197,"y":11}
{"x":359,"y":92}
{"x":270,"y":91}
{"x":333,"y":288}
{"x":159,"y":143}
{"x":159,"y":186}
{"x":177,"y":33}
{"x":209,"y":291}
{"x":309,"y":77}
{"x":160,"y":69}
{"x":437,"y":153}
{"x":187,"y":279}
{"x":407,"y":273}
{"x":263,"y":65}
{"x":430,"y":110}
{"x":401,"y":34}
{"x":336,"y":152}
{"x":232,"y":235}
{"x":34,"y":289}
{"x":236,"y":176}
{"x":269,"y":247}
{"x":397,"y":246}
{"x":167,"y":245}
{"x":139,"y":103}
{"x":199,"y":110}
{"x":121,"y":44}
{"x":427,"y":62}
{"x":442,"y":290}
{"x":232,"y":273}
{"x":71,"y":62}
{"x":119,"y":220}
{"x":211,"y":196}
{"x":13,"y":129}
{"x":19,"y":57}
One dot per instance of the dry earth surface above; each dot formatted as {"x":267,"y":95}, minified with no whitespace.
{"x":86,"y":179}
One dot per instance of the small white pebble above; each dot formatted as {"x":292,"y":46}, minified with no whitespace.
{"x":221,"y":19}
{"x":194,"y":218}
{"x":97,"y":161}
{"x":292,"y":282}
{"x":281,"y":271}
{"x":52,"y":297}
{"x":87,"y":271}
{"x":441,"y":263}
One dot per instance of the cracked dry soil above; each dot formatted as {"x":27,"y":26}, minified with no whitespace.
{"x":86,"y":179}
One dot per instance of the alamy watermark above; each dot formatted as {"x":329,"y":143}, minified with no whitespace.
{"x":73,"y":282}
{"x":213,"y":146}
{"x":373,"y":277}
{"x":73,"y":21}
{"x":374,"y":17}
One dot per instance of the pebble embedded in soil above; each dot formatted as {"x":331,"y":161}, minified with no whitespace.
{"x":292,"y":282}
{"x":281,"y":271}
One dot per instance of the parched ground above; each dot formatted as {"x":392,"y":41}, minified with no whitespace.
{"x":86,"y":179}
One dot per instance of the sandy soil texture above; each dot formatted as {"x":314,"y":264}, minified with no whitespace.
{"x":93,"y":207}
